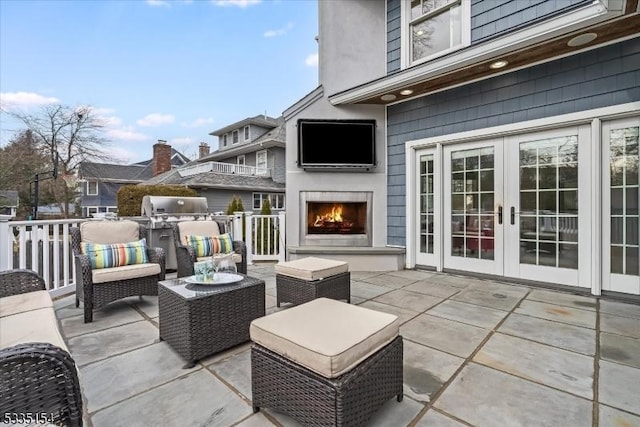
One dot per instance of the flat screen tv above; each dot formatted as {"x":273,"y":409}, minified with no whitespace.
{"x":336,"y":143}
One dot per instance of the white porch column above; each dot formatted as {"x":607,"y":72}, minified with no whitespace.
{"x":249,"y":235}
{"x":282,"y":245}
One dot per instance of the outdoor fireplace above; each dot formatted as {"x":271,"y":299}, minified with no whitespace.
{"x":335,"y":218}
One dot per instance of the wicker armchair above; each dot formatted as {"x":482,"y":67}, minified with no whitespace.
{"x":37,"y":378}
{"x":185,"y":255}
{"x":129,"y":282}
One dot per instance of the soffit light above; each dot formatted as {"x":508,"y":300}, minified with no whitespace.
{"x":498,"y":64}
{"x":388,"y":97}
{"x":582,"y":39}
{"x":406,"y":92}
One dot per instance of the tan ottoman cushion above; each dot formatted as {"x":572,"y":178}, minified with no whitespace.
{"x":311,"y":268}
{"x":326,"y":336}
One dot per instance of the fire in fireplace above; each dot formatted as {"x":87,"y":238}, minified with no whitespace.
{"x":336,"y":218}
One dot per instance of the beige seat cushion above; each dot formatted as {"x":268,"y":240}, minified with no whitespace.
{"x":108,"y":232}
{"x":311,"y":268}
{"x":32,"y":326}
{"x":197,"y":228}
{"x":326,"y":336}
{"x":24,"y":302}
{"x":102,"y":275}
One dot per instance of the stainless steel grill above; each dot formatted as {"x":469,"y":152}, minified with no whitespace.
{"x":162,"y":210}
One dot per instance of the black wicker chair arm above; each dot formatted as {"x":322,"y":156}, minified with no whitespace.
{"x":40,"y":378}
{"x":20,"y":281}
{"x":158,"y":256}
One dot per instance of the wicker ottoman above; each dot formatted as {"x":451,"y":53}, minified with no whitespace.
{"x":326,"y":362}
{"x":305,"y":279}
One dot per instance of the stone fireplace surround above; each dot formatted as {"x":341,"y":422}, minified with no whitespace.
{"x":337,"y":240}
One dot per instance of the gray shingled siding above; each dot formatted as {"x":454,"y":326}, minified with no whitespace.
{"x":488,"y":18}
{"x":598,"y":78}
{"x":492,"y":17}
{"x":393,"y":36}
{"x":279,"y":165}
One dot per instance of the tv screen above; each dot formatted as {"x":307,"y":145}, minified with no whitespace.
{"x":336,"y":143}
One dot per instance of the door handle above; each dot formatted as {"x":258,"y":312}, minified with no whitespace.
{"x":499,"y":214}
{"x":513,"y":215}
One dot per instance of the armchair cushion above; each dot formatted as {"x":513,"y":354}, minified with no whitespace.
{"x":209,"y":245}
{"x":21,"y":303}
{"x":197,"y":228}
{"x":38,"y":325}
{"x":110,"y":231}
{"x":116,"y":274}
{"x":116,"y":254}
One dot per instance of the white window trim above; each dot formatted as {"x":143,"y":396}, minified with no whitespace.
{"x":247,"y":133}
{"x":595,"y":117}
{"x":235,"y":137}
{"x":405,"y":34}
{"x":224,"y":140}
{"x":240,"y":160}
{"x":516,"y":40}
{"x":88,"y":186}
{"x":266,"y":160}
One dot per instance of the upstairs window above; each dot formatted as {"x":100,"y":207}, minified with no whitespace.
{"x":437,"y":27}
{"x":224,"y":140}
{"x":92,"y":188}
{"x":235,"y":136}
{"x":246,"y":133}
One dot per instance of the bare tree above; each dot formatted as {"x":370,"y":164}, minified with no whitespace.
{"x":67,"y":136}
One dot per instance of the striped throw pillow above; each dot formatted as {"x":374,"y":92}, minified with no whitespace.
{"x":116,"y":254}
{"x":209,"y":245}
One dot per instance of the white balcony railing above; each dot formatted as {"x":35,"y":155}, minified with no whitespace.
{"x":228,"y":168}
{"x":44,"y":246}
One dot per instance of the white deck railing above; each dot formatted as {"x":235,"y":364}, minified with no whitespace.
{"x":44,"y":245}
{"x":228,"y":168}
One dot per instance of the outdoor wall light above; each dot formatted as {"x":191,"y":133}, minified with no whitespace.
{"x":406,"y":92}
{"x":582,"y":39}
{"x":388,"y":97}
{"x":498,"y":64}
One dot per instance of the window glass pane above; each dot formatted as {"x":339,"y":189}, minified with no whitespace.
{"x":632,"y":261}
{"x":431,"y":35}
{"x":617,"y":258}
{"x":568,"y":256}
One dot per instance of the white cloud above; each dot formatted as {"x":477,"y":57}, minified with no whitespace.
{"x":279,"y":31}
{"x":201,"y":121}
{"x":158,"y":3}
{"x":24,"y":99}
{"x":238,"y":3}
{"x":312,"y":60}
{"x":156,"y":119}
{"x":126,"y":134}
{"x":181,"y":141}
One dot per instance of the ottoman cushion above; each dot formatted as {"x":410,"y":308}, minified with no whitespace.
{"x":311,"y":268}
{"x":326,"y":336}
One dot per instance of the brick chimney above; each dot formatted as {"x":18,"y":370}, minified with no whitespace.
{"x":204,"y":150}
{"x":161,"y":157}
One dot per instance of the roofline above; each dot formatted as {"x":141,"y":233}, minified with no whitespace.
{"x":257,"y":120}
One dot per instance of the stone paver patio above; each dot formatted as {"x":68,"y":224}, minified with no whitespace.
{"x":476,"y":352}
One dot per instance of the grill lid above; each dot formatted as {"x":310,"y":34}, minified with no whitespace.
{"x":156,"y":205}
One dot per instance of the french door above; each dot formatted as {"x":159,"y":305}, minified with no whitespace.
{"x":518,"y":206}
{"x":620,"y":190}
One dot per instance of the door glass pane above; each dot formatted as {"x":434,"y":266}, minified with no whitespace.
{"x":426,"y":203}
{"x":472,"y":203}
{"x":549,"y":202}
{"x":623,"y":164}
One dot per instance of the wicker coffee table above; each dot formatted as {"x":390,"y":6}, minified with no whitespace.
{"x":200,"y":320}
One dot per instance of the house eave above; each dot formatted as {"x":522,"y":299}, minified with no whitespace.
{"x":534,"y":44}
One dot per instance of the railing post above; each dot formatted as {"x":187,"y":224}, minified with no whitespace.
{"x":282,"y":237}
{"x":248,"y":221}
{"x":6,"y":243}
{"x":237,"y":226}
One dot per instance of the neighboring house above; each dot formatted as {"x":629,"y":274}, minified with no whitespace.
{"x":507,"y":139}
{"x":9,"y":201}
{"x":249,"y":163}
{"x":100,"y":182}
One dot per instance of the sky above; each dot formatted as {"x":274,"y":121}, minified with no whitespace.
{"x":173,"y":70}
